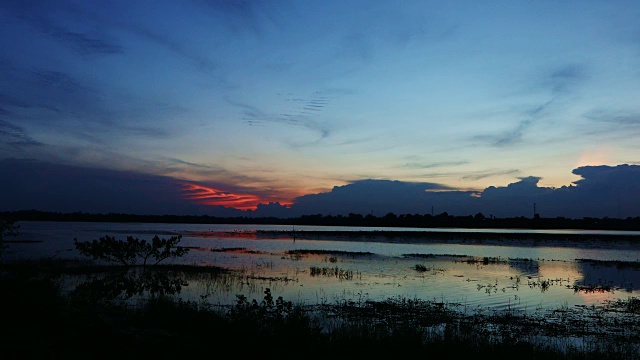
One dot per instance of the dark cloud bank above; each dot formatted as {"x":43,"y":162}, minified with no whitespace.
{"x":603,"y":191}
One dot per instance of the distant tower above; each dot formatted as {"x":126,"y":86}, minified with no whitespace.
{"x":535,"y":211}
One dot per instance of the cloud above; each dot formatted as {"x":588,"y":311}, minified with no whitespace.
{"x":626,"y":122}
{"x":179,"y":168}
{"x":54,"y":97}
{"x":603,"y":191}
{"x":75,"y":188}
{"x":562,"y":79}
{"x":57,"y":79}
{"x":617,"y":178}
{"x":297,"y":111}
{"x":38,"y":15}
{"x":8,"y":101}
{"x":526,"y":186}
{"x":416,"y":165}
{"x":31,"y":184}
{"x":465,"y":175}
{"x":489,"y":173}
{"x":200,"y":61}
{"x":45,"y":91}
{"x":528,"y":119}
{"x":145,"y":131}
{"x":85,"y":44}
{"x":366,"y":196}
{"x":103,"y":20}
{"x":206,"y":195}
{"x":244,"y":16}
{"x":57,"y":103}
{"x":14,"y":136}
{"x":188,"y":164}
{"x":557,"y":83}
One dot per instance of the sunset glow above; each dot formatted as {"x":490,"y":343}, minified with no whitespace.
{"x":209,"y":196}
{"x":479,"y":159}
{"x":595,"y":157}
{"x":293,"y":117}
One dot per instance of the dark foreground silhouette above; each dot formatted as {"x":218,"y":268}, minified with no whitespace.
{"x":478,"y":220}
{"x":132,"y":312}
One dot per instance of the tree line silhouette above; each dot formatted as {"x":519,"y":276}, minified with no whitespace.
{"x":443,"y":220}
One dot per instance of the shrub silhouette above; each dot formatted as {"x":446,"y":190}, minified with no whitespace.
{"x":127,"y":252}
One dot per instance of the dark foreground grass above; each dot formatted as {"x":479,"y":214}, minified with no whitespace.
{"x":43,"y":320}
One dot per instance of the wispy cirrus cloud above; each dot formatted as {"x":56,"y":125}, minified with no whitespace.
{"x":243,"y":16}
{"x":615,"y":125}
{"x":218,"y":177}
{"x":558,"y":83}
{"x":417,"y":165}
{"x":293,"y":110}
{"x":200,"y":61}
{"x":57,"y":79}
{"x":187,"y":163}
{"x":563,"y":79}
{"x":86,"y":44}
{"x":626,"y":119}
{"x":57,"y":100}
{"x":489,"y":173}
{"x":471,"y":175}
{"x":39,"y":15}
{"x":14,"y":137}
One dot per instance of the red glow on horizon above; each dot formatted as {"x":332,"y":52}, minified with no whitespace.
{"x":210,"y":196}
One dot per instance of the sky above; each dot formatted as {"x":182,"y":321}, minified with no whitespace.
{"x":281,"y":108}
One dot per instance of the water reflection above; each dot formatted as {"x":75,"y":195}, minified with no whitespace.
{"x":475,"y":282}
{"x":536,"y":276}
{"x":526,"y":267}
{"x":614,"y":275}
{"x":125,"y":283}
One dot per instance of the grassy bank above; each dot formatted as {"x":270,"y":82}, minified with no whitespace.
{"x":48,"y":316}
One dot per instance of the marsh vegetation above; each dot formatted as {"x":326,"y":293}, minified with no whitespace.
{"x":68,"y":309}
{"x":89,"y":307}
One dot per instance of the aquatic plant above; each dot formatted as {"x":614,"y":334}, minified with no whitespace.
{"x":420,"y":268}
{"x":329,"y":252}
{"x":329,"y":271}
{"x":45,"y":316}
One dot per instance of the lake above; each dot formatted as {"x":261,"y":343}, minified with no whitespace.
{"x":321,"y":264}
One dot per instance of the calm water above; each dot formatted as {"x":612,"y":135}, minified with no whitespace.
{"x":519,"y":277}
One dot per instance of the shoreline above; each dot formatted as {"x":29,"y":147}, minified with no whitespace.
{"x":448,"y":235}
{"x":478,"y":238}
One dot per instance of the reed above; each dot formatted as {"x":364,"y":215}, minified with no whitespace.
{"x":49,"y":322}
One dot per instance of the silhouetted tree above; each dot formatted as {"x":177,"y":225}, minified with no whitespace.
{"x":355,"y":219}
{"x":479,"y":216}
{"x":391,"y":216}
{"x":127,"y":252}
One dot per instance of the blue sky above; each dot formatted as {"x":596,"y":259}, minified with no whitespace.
{"x":247,"y":102}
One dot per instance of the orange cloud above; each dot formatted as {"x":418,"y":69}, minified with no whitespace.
{"x":210,"y":196}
